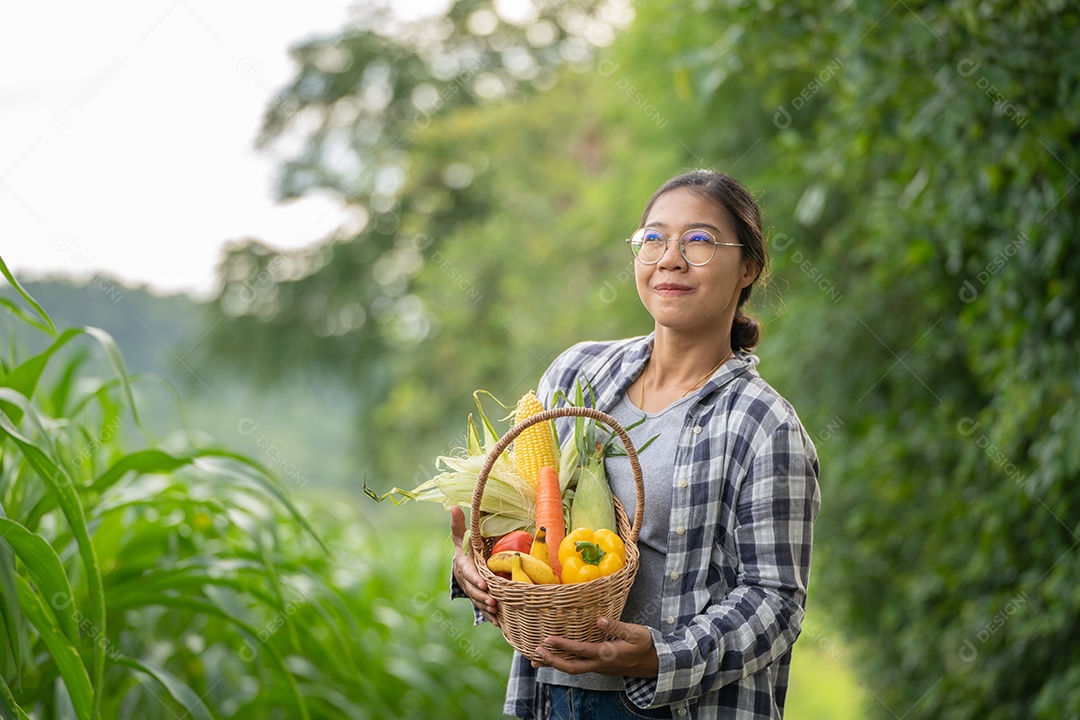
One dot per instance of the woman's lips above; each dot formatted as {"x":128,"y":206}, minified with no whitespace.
{"x":671,"y":289}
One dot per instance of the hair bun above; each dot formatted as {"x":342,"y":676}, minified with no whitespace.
{"x":745,"y":332}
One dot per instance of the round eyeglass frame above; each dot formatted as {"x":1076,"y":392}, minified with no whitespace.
{"x":635,"y":241}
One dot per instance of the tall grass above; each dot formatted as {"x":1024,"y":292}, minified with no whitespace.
{"x":166,"y":579}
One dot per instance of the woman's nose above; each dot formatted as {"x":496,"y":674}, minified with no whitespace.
{"x":672,"y":257}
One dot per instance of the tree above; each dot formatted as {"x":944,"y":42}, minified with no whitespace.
{"x":369,"y":107}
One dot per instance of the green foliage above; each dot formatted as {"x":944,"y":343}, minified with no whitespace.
{"x":919,"y":225}
{"x":176,"y":579}
{"x":916,"y":162}
{"x":411,"y":190}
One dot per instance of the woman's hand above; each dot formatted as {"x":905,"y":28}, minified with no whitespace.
{"x":632,"y":652}
{"x":465,"y":571}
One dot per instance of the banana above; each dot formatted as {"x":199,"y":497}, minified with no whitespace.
{"x":539,"y":548}
{"x":537,"y":570}
{"x":516,"y":573}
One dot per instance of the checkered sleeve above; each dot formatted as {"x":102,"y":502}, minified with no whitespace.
{"x":456,"y":592}
{"x":757,"y":621}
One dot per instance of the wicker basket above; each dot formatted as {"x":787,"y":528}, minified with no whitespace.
{"x":529,"y":613}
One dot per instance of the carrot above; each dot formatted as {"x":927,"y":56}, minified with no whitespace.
{"x":549,"y":514}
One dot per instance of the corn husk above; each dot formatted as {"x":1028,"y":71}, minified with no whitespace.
{"x":593,"y":505}
{"x":509,"y":501}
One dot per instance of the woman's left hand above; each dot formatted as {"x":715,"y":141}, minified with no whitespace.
{"x":631,"y":653}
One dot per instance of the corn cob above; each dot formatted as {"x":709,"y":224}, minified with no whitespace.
{"x":535,"y":446}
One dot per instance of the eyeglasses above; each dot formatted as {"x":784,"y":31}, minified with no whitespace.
{"x":697,"y":246}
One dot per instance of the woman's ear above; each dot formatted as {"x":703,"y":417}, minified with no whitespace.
{"x":751,"y":272}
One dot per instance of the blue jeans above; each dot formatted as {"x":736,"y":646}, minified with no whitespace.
{"x":570,"y":703}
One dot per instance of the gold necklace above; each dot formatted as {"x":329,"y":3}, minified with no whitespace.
{"x":641,"y":395}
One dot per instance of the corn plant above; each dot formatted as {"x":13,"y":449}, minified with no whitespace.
{"x":174,"y":579}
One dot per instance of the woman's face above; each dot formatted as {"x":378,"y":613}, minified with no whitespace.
{"x":681,"y":296}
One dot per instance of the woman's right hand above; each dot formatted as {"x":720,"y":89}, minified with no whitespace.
{"x":465,"y":572}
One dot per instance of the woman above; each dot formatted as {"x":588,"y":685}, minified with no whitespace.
{"x":730,"y":482}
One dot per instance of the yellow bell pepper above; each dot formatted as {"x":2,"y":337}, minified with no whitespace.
{"x":588,"y":554}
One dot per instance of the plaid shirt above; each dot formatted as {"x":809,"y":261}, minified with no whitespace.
{"x":743,"y":507}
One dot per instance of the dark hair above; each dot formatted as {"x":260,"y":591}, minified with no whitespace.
{"x":745,"y":215}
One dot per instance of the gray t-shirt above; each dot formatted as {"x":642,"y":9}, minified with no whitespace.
{"x":657,"y":471}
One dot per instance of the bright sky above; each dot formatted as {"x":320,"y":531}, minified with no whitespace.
{"x":128,"y":130}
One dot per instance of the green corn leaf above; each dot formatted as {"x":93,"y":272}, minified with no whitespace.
{"x":131,"y":592}
{"x":263,"y":478}
{"x":48,"y":326}
{"x":9,"y":709}
{"x":25,"y":316}
{"x":342,"y":617}
{"x":209,"y":608}
{"x":142,"y":462}
{"x":47,"y":572}
{"x":180,"y":691}
{"x":24,"y":378}
{"x":116,"y":359}
{"x":271,"y":573}
{"x":343,"y":706}
{"x":64,"y":653}
{"x":61,"y":390}
{"x":60,"y":485}
{"x":99,"y":392}
{"x":160,"y":492}
{"x":9,"y":604}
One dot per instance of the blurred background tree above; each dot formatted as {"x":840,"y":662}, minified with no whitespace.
{"x":916,"y":162}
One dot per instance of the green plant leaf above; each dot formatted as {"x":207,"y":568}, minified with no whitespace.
{"x":193,"y":577}
{"x":116,"y":359}
{"x":24,"y":378}
{"x":11,"y":399}
{"x":343,"y":705}
{"x":25,"y":317}
{"x":180,"y":691}
{"x":62,"y":388}
{"x":63,"y":651}
{"x":262,"y":477}
{"x":210,"y":608}
{"x":47,"y":571}
{"x":9,"y":604}
{"x":271,"y":573}
{"x":142,"y":462}
{"x":60,"y":485}
{"x":28,"y":298}
{"x":9,"y":709}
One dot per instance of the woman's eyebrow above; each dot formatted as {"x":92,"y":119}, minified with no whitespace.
{"x":664,"y":225}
